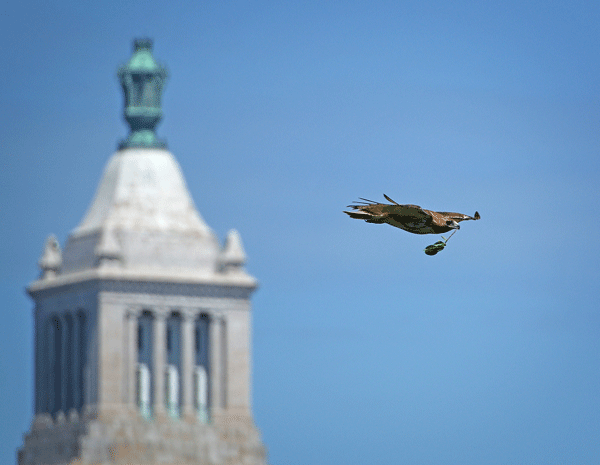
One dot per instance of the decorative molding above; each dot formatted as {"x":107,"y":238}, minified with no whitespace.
{"x":98,"y":284}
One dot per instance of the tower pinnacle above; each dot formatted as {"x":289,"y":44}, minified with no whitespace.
{"x":142,"y":320}
{"x":142,"y":79}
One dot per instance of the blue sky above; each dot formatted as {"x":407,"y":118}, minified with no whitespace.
{"x":282,"y":113}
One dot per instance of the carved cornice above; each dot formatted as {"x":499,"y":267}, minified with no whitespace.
{"x":97,"y":281}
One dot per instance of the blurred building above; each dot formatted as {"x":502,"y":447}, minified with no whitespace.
{"x":142,"y":322}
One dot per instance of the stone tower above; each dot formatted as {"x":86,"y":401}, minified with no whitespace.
{"x":142,"y":322}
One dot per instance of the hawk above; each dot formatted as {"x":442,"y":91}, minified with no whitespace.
{"x":411,"y":218}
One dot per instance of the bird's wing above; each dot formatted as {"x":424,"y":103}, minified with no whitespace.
{"x":390,"y":200}
{"x":458,"y":216}
{"x":369,"y":209}
{"x":407,"y":212}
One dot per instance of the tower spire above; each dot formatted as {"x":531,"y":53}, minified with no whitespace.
{"x":142,"y":79}
{"x":166,"y":356}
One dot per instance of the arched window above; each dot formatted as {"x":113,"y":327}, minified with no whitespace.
{"x":80,"y":340}
{"x":55,"y":334}
{"x":172,"y":391}
{"x":201,"y":393}
{"x":68,"y":364}
{"x":48,"y":367}
{"x":140,"y":338}
{"x":173,"y":370}
{"x":144,"y":372}
{"x":201,"y":340}
{"x":201,"y":367}
{"x":144,"y":392}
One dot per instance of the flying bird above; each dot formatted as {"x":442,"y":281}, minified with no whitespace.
{"x":411,"y":218}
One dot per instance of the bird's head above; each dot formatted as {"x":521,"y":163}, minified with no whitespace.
{"x":452,"y":224}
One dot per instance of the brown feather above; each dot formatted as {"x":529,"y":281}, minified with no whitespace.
{"x":411,"y":218}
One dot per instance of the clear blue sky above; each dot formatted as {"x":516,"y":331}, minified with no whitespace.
{"x":366,"y":351}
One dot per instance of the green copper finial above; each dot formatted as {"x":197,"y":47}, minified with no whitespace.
{"x":142,"y":79}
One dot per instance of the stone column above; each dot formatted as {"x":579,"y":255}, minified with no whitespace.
{"x":159,"y":358}
{"x":187,"y":364}
{"x":224,"y":343}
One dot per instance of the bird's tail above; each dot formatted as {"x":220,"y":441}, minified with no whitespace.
{"x":476,"y":216}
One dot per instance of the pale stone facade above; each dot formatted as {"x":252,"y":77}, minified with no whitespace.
{"x":142,"y":327}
